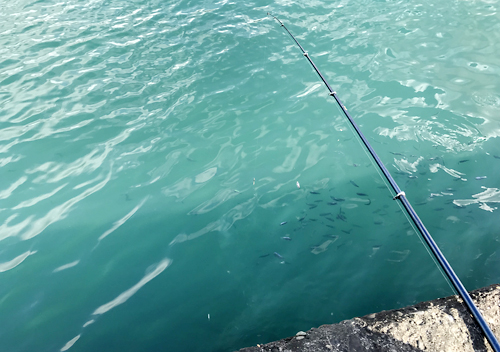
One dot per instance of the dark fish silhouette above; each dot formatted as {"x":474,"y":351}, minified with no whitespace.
{"x":341,"y":216}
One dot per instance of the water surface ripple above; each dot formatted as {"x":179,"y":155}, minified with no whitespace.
{"x":175,"y":169}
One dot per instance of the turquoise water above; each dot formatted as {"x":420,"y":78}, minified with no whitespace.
{"x":175,"y":177}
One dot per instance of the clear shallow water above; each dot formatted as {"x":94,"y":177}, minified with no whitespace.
{"x":151,"y":150}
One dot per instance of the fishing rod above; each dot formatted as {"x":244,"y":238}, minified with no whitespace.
{"x":401,"y":196}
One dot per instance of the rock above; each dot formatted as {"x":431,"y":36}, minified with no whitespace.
{"x":443,"y":324}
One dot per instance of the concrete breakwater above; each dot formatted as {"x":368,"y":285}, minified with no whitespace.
{"x":443,"y":324}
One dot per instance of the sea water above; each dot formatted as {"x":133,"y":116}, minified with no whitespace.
{"x":175,"y":177}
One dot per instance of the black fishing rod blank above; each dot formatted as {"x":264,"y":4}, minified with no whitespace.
{"x":401,"y":196}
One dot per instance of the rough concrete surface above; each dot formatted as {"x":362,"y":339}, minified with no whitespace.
{"x":443,"y":324}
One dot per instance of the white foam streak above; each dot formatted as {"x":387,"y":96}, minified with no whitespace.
{"x":7,"y":192}
{"x":66,"y":266}
{"x":70,"y":343}
{"x":15,"y":262}
{"x":120,"y":222}
{"x":124,"y":296}
{"x":61,"y":211}
{"x":435,"y":167}
{"x":490,"y":195}
{"x":11,"y":231}
{"x":31,"y":202}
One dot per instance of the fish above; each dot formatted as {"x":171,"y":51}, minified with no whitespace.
{"x":347,"y":231}
{"x":332,"y":203}
{"x":396,"y":154}
{"x":480,"y":177}
{"x":264,"y":255}
{"x":362,"y":194}
{"x":325,"y":214}
{"x":329,"y":218}
{"x":353,"y":183}
{"x":463,"y":161}
{"x":337,"y":199}
{"x":314,"y":192}
{"x":341,"y":217}
{"x":330,"y":226}
{"x":283,"y":223}
{"x":286,"y":238}
{"x":278,"y":255}
{"x":298,"y":184}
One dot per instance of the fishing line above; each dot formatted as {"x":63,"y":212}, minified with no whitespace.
{"x":408,"y":218}
{"x":403,"y":211}
{"x":401,"y":196}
